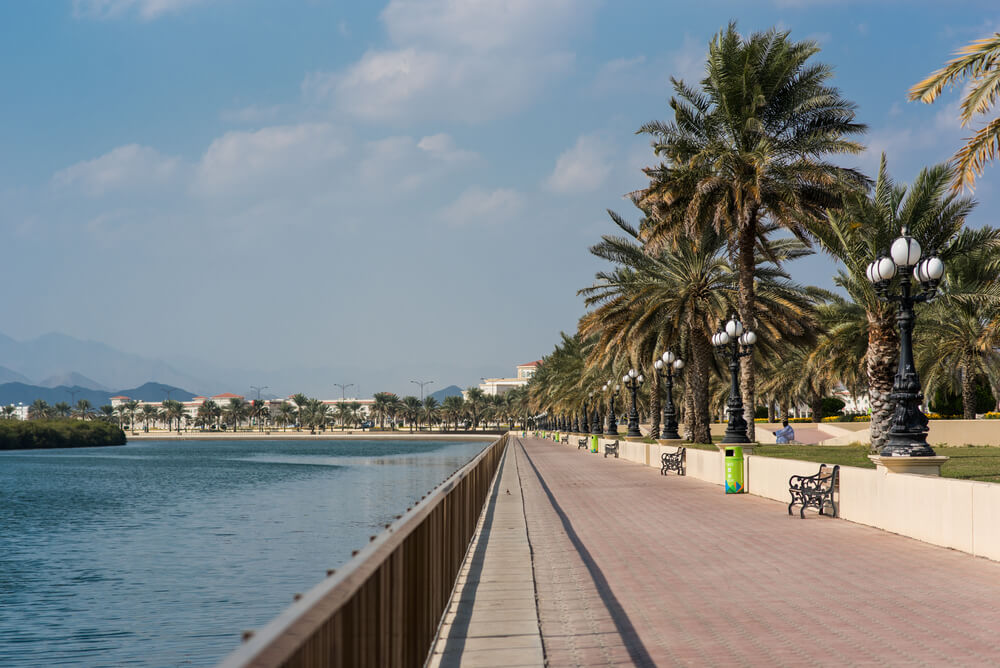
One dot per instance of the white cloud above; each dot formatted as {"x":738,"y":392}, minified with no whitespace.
{"x":582,"y":168}
{"x":478,"y":206}
{"x":442,"y":147}
{"x":252,"y":114}
{"x":281,"y":156}
{"x":145,"y":9}
{"x":127,"y":167}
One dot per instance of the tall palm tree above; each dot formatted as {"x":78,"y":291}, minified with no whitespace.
{"x":84,"y":408}
{"x":63,"y":409}
{"x":865,"y":228}
{"x":344,"y":413}
{"x":453,"y":408}
{"x":431,"y":411}
{"x":980,"y":63}
{"x":258,"y":413}
{"x":475,"y":403}
{"x":39,"y":410}
{"x":300,"y":400}
{"x":236,"y":412}
{"x":285,"y":414}
{"x":753,"y":139}
{"x":131,"y":407}
{"x":149,"y":413}
{"x":411,"y":410}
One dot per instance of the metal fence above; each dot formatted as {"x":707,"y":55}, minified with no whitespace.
{"x":384,"y":606}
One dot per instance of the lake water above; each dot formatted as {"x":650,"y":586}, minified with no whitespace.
{"x":161,"y":553}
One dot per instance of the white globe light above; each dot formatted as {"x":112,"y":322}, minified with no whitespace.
{"x":679,"y":364}
{"x":658,"y":364}
{"x":625,"y":378}
{"x":715,"y":339}
{"x":641,"y":378}
{"x":734,"y":328}
{"x":870,"y":272}
{"x":905,"y":251}
{"x":616,"y":387}
{"x":723,"y":338}
{"x":632,"y":372}
{"x":934,"y":268}
{"x":748,"y":338}
{"x":885,"y":269}
{"x":669,"y":357}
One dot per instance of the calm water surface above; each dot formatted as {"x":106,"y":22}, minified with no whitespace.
{"x":160,"y":553}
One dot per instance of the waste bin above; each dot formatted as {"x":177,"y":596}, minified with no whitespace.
{"x":593,"y":443}
{"x":734,"y":469}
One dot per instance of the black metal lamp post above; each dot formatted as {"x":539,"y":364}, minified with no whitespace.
{"x":633,"y":379}
{"x":612,"y":420}
{"x":595,"y":424}
{"x":583,"y":423}
{"x":737,"y":343}
{"x":670,"y":362}
{"x":908,"y":433}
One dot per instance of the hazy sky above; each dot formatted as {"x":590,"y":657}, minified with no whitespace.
{"x":320,"y":191}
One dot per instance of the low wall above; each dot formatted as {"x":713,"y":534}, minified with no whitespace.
{"x":960,"y":514}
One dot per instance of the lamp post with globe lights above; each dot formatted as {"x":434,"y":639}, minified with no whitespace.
{"x":738,"y":343}
{"x":612,"y":420}
{"x":633,"y":379}
{"x":670,"y":363}
{"x":908,"y":433}
{"x":595,"y":423}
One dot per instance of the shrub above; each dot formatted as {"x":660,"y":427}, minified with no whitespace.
{"x":805,"y":419}
{"x":992,"y":415}
{"x":65,"y":433}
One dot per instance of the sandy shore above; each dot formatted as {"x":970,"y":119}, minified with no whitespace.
{"x":348,"y":435}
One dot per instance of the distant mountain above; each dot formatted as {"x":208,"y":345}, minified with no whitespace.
{"x":11,"y":376}
{"x":15,"y":393}
{"x":449,"y":391}
{"x":52,"y":354}
{"x":72,"y":379}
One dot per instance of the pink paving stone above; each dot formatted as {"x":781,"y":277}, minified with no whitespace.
{"x":633,"y":568}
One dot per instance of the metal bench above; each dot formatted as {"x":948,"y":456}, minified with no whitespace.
{"x":814,"y":490}
{"x":564,"y":439}
{"x":581,"y":443}
{"x":673,"y":461}
{"x":611,"y":449}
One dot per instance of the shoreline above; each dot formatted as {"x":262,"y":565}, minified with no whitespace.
{"x":305,"y":436}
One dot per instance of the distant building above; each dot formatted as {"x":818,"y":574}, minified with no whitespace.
{"x":497,"y":386}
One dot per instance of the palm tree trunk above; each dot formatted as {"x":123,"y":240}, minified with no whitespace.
{"x":968,"y":392}
{"x":701,"y":355}
{"x":746,"y":263}
{"x":881,"y":361}
{"x":770,"y":409}
{"x":654,"y":406}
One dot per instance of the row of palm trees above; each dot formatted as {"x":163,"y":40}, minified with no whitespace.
{"x":473,"y":410}
{"x":750,"y":176}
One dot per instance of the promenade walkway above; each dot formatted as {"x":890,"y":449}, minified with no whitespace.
{"x":631,"y":567}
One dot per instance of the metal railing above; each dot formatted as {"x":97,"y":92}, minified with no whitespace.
{"x":383,"y":607}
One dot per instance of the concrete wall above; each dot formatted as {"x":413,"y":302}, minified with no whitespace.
{"x":960,"y":514}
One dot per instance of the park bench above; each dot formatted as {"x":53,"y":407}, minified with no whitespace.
{"x":611,"y":449}
{"x":673,"y":461}
{"x":581,"y":443}
{"x":814,"y":490}
{"x":564,"y":439}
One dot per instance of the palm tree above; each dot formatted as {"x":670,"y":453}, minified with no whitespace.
{"x":475,"y":402}
{"x":172,"y":410}
{"x":8,"y":412}
{"x":431,"y":411}
{"x":314,"y":414}
{"x":284,"y":414}
{"x":964,"y":326}
{"x":393,"y":407}
{"x":62,"y":409}
{"x":863,"y":229}
{"x":355,"y":417}
{"x":39,"y":410}
{"x":979,"y":62}
{"x":344,"y":413}
{"x":131,"y":406}
{"x":300,"y":400}
{"x":106,"y":413}
{"x":453,"y":408}
{"x":237,"y":411}
{"x":411,"y":408}
{"x":149,"y":413}
{"x":752,"y":142}
{"x":83,"y":408}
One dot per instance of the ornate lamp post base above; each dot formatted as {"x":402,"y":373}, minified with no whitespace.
{"x":930,"y":466}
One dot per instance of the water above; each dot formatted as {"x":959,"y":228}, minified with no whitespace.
{"x":161,"y":553}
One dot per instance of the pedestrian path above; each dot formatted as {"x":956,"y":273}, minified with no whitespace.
{"x":634,"y":568}
{"x":492,"y":620}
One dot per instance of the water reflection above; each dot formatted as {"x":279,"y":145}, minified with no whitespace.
{"x":160,"y":553}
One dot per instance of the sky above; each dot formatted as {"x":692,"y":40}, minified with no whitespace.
{"x":306,"y":192}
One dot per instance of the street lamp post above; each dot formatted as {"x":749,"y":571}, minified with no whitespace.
{"x":908,"y":433}
{"x":258,"y":388}
{"x":670,"y":362}
{"x":421,"y":383}
{"x":583,"y":424}
{"x":612,"y":420}
{"x":740,"y":344}
{"x":595,"y":424}
{"x":633,"y":379}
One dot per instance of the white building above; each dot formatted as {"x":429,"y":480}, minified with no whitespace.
{"x":495,"y":386}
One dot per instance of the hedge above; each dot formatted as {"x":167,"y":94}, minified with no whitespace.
{"x":33,"y":434}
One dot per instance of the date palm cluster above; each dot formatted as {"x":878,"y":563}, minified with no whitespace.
{"x":749,"y":175}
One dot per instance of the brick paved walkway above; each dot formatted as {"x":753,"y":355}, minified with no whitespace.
{"x":634,"y":568}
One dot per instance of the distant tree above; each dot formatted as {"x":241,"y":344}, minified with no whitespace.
{"x":39,"y":410}
{"x":259,"y":413}
{"x":8,"y":412}
{"x":431,"y":411}
{"x":300,"y":400}
{"x":411,"y":408}
{"x":83,"y":409}
{"x":236,"y":412}
{"x":106,"y":413}
{"x":285,"y":414}
{"x":149,"y":414}
{"x":131,"y":407}
{"x":475,"y":404}
{"x":63,"y":409}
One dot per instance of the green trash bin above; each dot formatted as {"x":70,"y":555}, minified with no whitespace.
{"x":734,"y":469}
{"x":593,"y":443}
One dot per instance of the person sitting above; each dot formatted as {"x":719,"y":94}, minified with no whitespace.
{"x":786,"y":434}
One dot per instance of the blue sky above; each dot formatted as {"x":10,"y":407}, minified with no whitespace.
{"x":306,"y":192}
